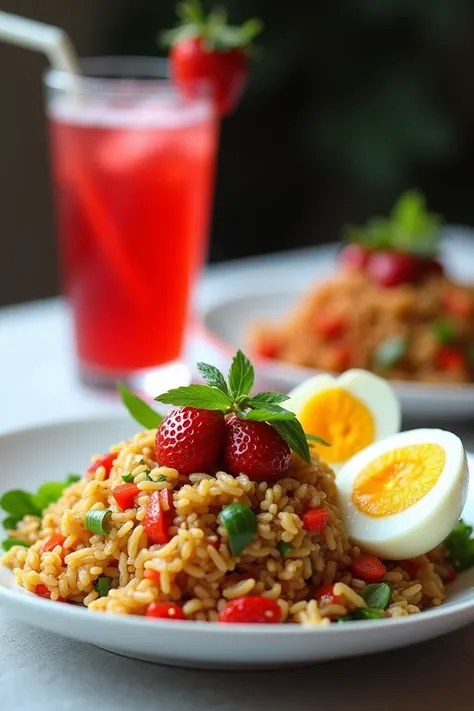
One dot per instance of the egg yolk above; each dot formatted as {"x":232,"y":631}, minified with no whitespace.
{"x":396,"y":480}
{"x":341,"y":419}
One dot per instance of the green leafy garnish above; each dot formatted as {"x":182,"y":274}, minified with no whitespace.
{"x":138,"y":409}
{"x":285,"y":548}
{"x":241,"y":525}
{"x":444,"y":331}
{"x":390,"y":352}
{"x":460,"y":547}
{"x":235,"y":396}
{"x":8,"y":543}
{"x":11,"y":522}
{"x":19,"y":503}
{"x":97,"y":520}
{"x":72,"y":479}
{"x":363,"y":613}
{"x":409,"y":228}
{"x":318,"y":440}
{"x":213,"y":28}
{"x":103,"y":585}
{"x":128,"y":477}
{"x":48,"y":493}
{"x":377,"y":595}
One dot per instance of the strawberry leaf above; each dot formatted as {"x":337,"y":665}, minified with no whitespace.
{"x":138,"y":408}
{"x":293,"y":433}
{"x":268,"y":416}
{"x":199,"y":396}
{"x":241,"y":376}
{"x":266,"y":398}
{"x":318,"y":440}
{"x":213,"y":377}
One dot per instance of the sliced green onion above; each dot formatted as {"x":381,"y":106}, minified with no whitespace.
{"x":377,"y":595}
{"x":97,"y":520}
{"x":285,"y":548}
{"x":161,"y":478}
{"x":128,"y":477}
{"x":240,"y":523}
{"x":391,"y":351}
{"x":444,"y":331}
{"x":103,"y":585}
{"x":8,"y":543}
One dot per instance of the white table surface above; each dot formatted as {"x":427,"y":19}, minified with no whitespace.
{"x":43,"y":671}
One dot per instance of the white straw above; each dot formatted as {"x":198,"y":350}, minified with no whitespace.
{"x":51,"y":40}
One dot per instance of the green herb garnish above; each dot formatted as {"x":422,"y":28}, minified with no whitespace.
{"x":285,"y":548}
{"x":391,"y":351}
{"x":103,"y":585}
{"x":138,"y":409}
{"x":409,"y":228}
{"x":241,"y":525}
{"x":8,"y":543}
{"x":363,"y":613}
{"x":444,"y":331}
{"x":377,"y":595}
{"x":97,"y":521}
{"x":460,"y":547}
{"x":128,"y":477}
{"x":235,"y":396}
{"x":318,"y":440}
{"x":160,"y":478}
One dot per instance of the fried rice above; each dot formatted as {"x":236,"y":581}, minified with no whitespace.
{"x":196,"y":567}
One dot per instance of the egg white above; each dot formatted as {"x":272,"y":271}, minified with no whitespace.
{"x":374,"y":392}
{"x":424,"y":525}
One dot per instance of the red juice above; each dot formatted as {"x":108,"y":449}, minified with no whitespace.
{"x":133,"y":196}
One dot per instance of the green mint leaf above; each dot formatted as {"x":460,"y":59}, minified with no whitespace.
{"x":213,"y":377}
{"x":199,"y":396}
{"x":293,"y":433}
{"x":460,"y":547}
{"x":19,"y":503}
{"x":8,"y":543}
{"x":241,"y":376}
{"x":139,"y":409}
{"x":367,"y":613}
{"x":318,"y":440}
{"x":268,"y":398}
{"x":10,"y":523}
{"x":391,"y":351}
{"x":48,"y":493}
{"x":444,"y":331}
{"x":268,"y":416}
{"x":72,"y":479}
{"x":377,"y":595}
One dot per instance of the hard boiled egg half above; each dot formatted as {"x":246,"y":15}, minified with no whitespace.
{"x":350,"y":412}
{"x":401,"y":497}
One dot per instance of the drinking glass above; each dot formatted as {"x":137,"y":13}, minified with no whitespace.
{"x":132,"y":168}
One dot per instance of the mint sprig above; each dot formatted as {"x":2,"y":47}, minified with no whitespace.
{"x":139,"y":409}
{"x":234,"y":396}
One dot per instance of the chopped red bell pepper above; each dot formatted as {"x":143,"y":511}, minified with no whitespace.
{"x":329,"y":325}
{"x":314,"y":520}
{"x":153,"y":575}
{"x":106,"y":461}
{"x":325,"y":595}
{"x":368,"y":568}
{"x":251,"y":609}
{"x":125,"y":494}
{"x":49,"y":544}
{"x":159,"y":516}
{"x":450,"y":359}
{"x":165,"y":611}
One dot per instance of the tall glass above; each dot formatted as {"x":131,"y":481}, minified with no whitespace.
{"x":133,"y":166}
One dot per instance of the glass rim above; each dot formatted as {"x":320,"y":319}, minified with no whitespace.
{"x":108,"y":74}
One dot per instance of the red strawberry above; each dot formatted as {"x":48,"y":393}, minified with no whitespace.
{"x":208,"y":53}
{"x":255,"y":449}
{"x":390,"y":269}
{"x":190,"y":440}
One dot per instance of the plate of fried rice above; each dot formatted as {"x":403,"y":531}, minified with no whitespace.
{"x":93,"y":564}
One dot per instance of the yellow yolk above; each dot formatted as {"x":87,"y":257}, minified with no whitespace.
{"x":341,"y":419}
{"x":398,"y":479}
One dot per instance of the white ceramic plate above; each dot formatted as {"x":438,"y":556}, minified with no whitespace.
{"x":276,"y":291}
{"x":32,"y":456}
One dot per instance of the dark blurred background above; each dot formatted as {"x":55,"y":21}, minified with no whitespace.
{"x":349,"y":103}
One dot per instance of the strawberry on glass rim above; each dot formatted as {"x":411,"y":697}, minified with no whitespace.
{"x":205,"y":50}
{"x":222,"y":423}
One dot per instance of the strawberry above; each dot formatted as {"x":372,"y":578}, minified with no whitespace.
{"x":255,"y":449}
{"x":190,"y":440}
{"x":208,"y":53}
